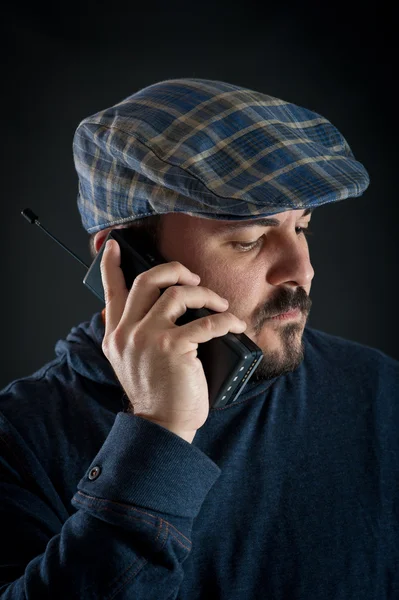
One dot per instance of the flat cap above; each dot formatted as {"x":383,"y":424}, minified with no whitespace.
{"x":208,"y":149}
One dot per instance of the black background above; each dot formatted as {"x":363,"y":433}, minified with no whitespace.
{"x":66,"y":62}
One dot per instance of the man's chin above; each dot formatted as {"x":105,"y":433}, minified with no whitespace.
{"x":283,"y":351}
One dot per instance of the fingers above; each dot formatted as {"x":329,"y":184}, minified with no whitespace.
{"x":126,"y":308}
{"x":114,"y":285}
{"x":207,"y":328}
{"x":146,"y":289}
{"x":177,"y":299}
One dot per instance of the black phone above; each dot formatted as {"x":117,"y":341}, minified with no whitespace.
{"x":228,"y":361}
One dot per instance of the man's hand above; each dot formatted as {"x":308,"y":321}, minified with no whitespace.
{"x":154,"y":359}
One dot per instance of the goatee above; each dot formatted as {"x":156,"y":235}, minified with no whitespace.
{"x":291,"y":352}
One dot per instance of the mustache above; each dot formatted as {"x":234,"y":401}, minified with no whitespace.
{"x":284,"y":301}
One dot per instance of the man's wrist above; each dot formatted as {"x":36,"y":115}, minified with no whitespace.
{"x":188,"y":436}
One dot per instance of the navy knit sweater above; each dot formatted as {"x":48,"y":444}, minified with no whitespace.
{"x":291,"y":493}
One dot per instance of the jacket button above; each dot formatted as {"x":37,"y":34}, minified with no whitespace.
{"x":94,"y":473}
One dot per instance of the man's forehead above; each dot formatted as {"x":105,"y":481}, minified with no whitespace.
{"x":174,"y":223}
{"x":225,"y":227}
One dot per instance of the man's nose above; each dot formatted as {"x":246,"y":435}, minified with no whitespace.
{"x":290,"y":264}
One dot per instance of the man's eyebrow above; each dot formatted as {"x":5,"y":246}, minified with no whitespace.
{"x":234,"y":226}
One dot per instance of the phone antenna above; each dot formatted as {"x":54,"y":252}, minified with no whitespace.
{"x":34,"y":220}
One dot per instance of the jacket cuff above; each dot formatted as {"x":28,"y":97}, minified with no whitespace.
{"x":146,"y":465}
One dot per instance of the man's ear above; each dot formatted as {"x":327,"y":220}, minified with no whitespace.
{"x":99,"y":238}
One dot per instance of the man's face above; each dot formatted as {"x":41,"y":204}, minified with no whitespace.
{"x":263,"y":270}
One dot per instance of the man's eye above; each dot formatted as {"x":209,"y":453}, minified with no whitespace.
{"x":246,"y":246}
{"x":304,"y":230}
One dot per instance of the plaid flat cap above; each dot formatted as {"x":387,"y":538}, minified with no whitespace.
{"x":208,"y":149}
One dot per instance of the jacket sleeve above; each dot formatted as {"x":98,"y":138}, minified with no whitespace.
{"x":131,"y":531}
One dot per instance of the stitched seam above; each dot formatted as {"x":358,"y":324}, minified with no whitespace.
{"x":165,"y":162}
{"x":138,"y":518}
{"x":111,"y":162}
{"x":132,"y":508}
{"x":119,"y":221}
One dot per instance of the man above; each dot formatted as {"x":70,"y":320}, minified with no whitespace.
{"x":117,"y":479}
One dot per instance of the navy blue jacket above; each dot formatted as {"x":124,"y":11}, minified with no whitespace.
{"x":291,"y":493}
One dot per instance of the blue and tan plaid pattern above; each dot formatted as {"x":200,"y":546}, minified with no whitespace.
{"x":208,"y":149}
